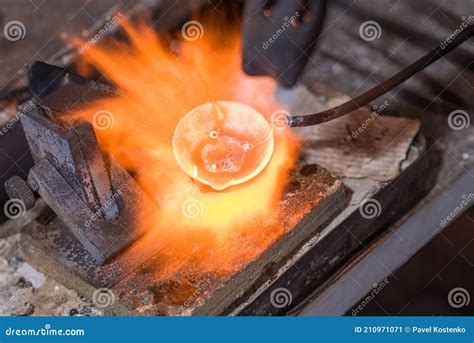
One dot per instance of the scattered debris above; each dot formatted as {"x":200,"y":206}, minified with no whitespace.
{"x":24,"y":291}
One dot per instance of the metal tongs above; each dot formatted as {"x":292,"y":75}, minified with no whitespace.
{"x":383,"y":87}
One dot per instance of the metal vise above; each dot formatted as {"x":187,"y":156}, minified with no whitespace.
{"x":96,"y":199}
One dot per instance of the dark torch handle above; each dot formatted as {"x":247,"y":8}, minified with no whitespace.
{"x":385,"y":86}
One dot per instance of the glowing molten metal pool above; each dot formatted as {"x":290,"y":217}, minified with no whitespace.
{"x":217,"y":232}
{"x":223,"y":143}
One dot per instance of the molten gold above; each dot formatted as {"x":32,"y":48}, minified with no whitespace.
{"x":223,"y":143}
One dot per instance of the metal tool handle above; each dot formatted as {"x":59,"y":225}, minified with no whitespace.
{"x":274,"y":33}
{"x":385,"y":86}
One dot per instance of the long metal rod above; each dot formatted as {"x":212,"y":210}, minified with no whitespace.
{"x":385,"y":86}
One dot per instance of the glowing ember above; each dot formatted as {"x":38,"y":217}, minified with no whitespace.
{"x":157,"y":89}
{"x":223,"y":144}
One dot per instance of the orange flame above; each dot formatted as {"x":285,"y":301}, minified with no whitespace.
{"x":218,"y":231}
